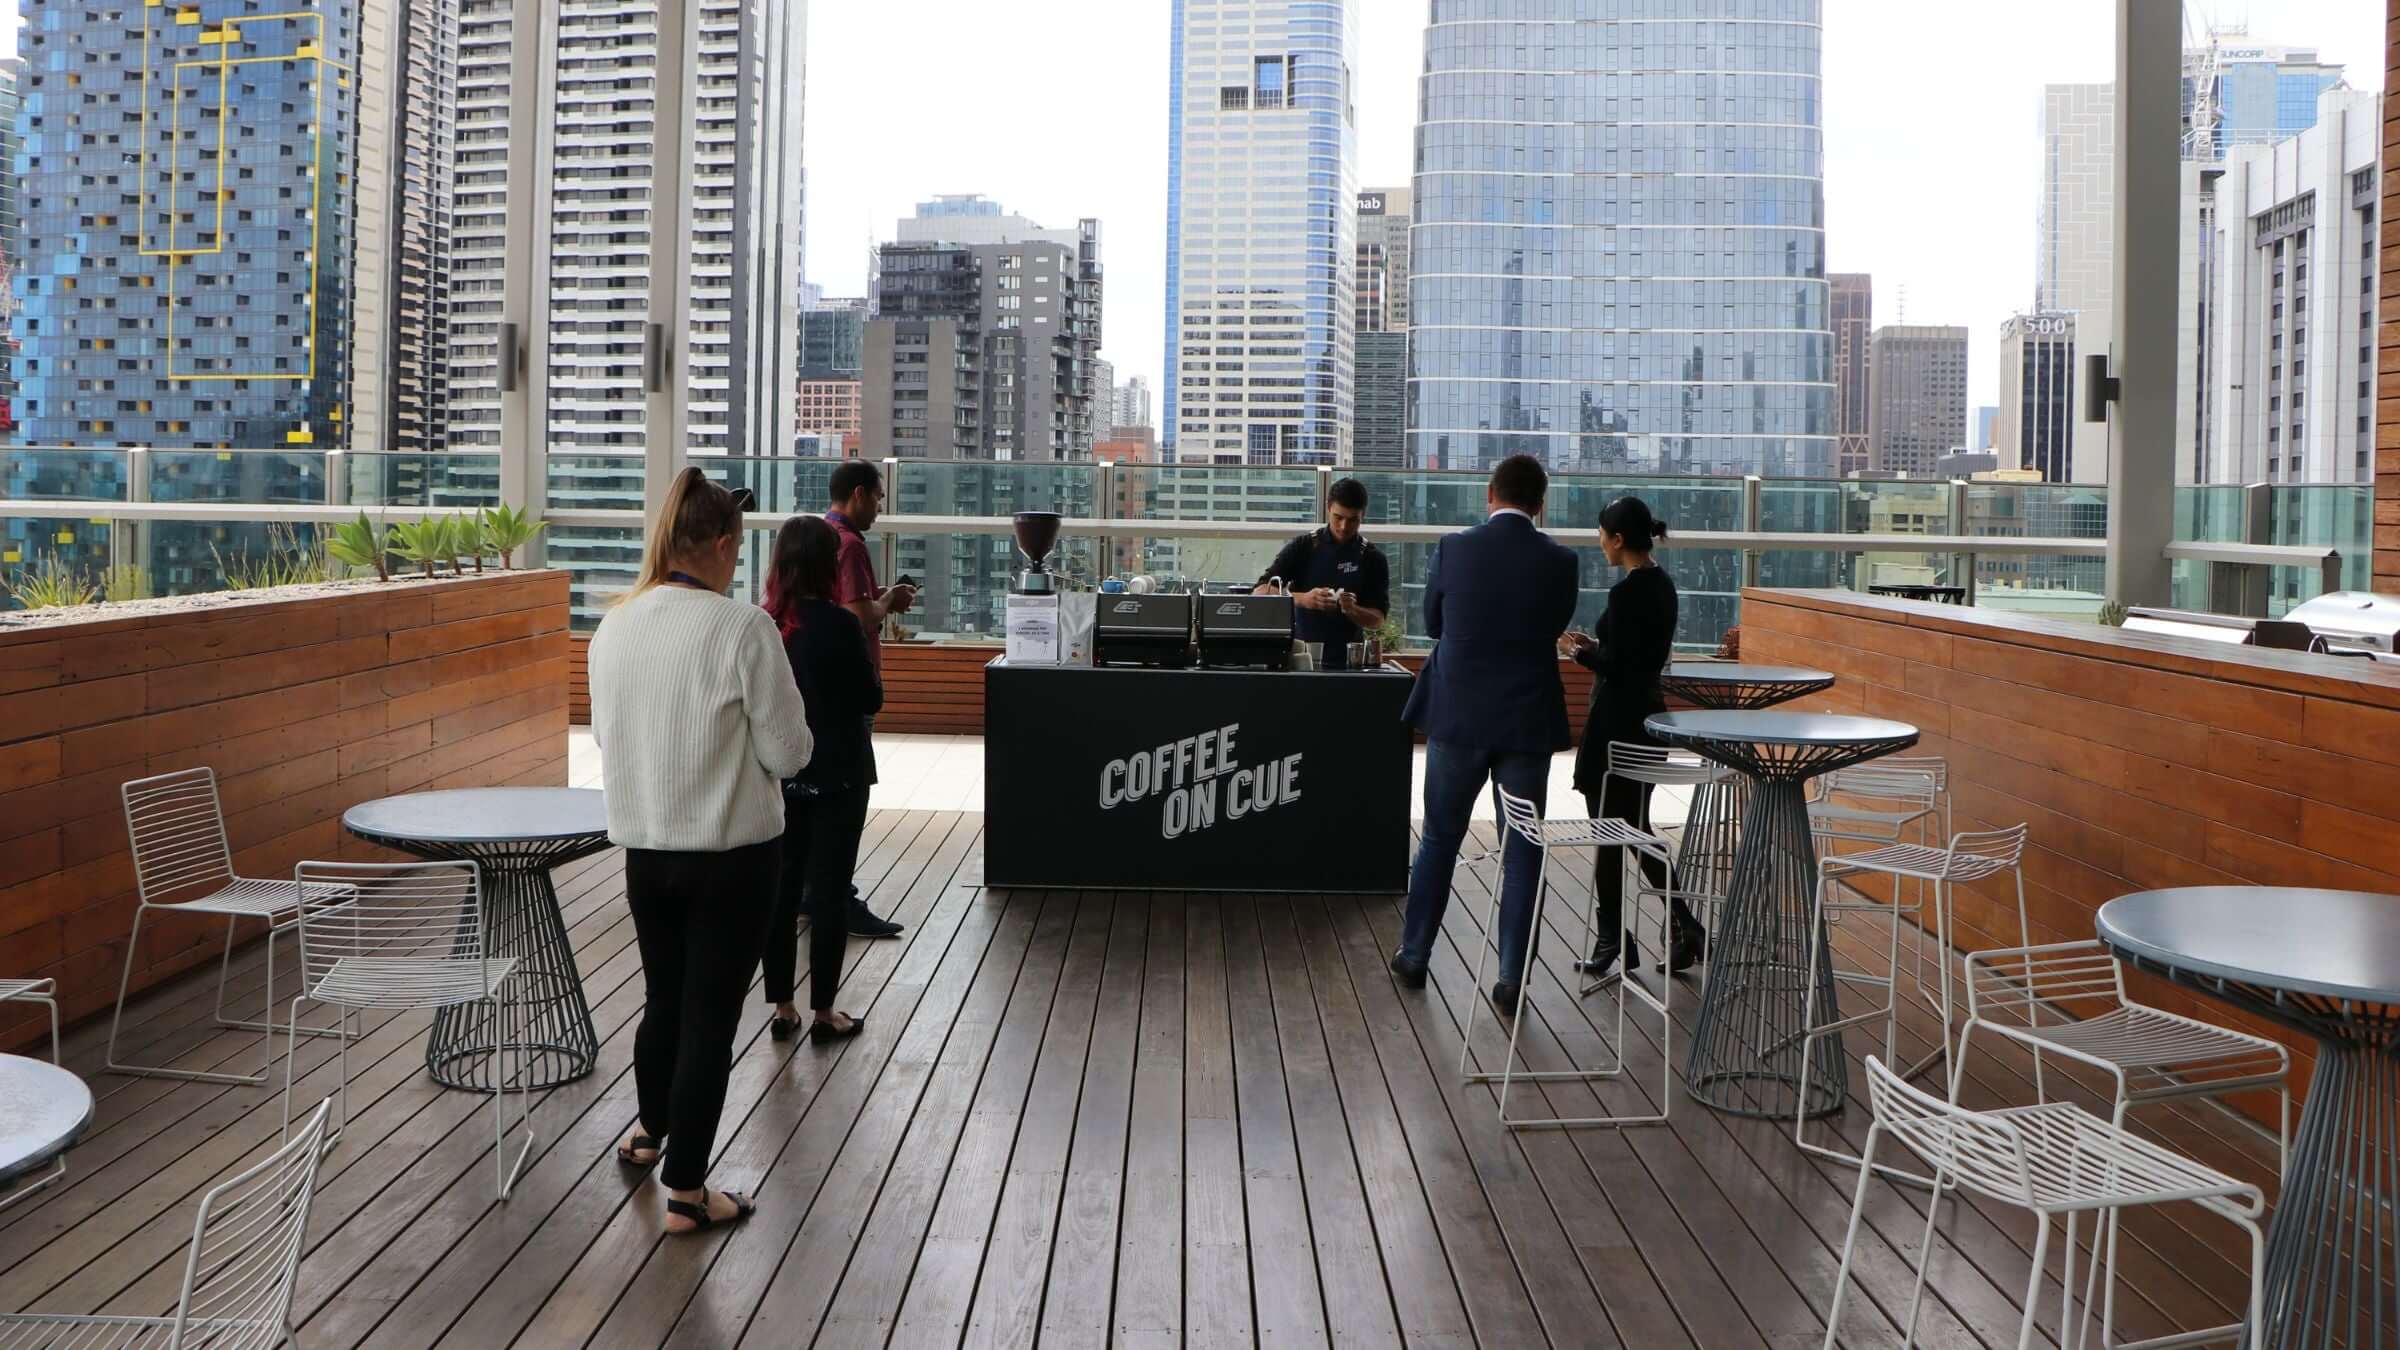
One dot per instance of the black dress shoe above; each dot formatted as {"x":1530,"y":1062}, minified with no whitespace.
{"x":864,"y":924}
{"x":1504,"y":998}
{"x":1686,"y":948}
{"x":1411,"y":973}
{"x":1605,"y":954}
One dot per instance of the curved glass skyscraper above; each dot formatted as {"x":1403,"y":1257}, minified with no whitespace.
{"x":1619,"y":242}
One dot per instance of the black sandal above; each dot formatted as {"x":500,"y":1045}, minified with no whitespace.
{"x":826,"y":1033}
{"x":781,"y":1028}
{"x":640,"y":1143}
{"x":702,"y":1220}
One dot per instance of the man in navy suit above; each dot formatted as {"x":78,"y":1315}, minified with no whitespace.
{"x":1490,"y":704}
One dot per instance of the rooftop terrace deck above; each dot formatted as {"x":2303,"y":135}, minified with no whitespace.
{"x":1076,"y":1119}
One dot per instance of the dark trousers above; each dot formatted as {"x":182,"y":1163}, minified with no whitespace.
{"x":1454,"y":774}
{"x":820,"y":852}
{"x":698,"y":918}
{"x":1628,"y":801}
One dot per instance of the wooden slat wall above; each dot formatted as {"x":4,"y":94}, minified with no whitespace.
{"x":2141,"y":762}
{"x":304,"y":708}
{"x":2387,"y":385}
{"x":579,"y":679}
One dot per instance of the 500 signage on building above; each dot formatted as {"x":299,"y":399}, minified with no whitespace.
{"x":1199,"y":780}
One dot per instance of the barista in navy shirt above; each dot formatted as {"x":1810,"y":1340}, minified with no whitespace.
{"x":1340,"y":584}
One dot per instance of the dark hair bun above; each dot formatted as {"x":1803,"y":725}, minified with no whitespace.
{"x":1629,"y":518}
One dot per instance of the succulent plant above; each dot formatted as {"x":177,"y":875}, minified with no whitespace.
{"x":507,"y":529}
{"x":359,"y":545}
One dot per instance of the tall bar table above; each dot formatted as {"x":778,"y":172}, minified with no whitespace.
{"x":2327,"y":965}
{"x":1736,"y":684}
{"x":517,"y":835}
{"x":1746,"y":1043}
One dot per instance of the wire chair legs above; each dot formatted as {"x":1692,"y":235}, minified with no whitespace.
{"x":57,"y":1170}
{"x":266,"y":1026}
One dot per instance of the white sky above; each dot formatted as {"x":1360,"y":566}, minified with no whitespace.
{"x":1057,"y":108}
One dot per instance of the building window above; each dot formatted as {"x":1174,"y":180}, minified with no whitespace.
{"x":1270,"y":77}
{"x":1233,"y":96}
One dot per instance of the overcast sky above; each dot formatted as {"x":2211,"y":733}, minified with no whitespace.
{"x":1057,"y":108}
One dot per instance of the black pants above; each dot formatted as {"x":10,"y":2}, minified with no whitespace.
{"x":698,"y":918}
{"x":820,"y":852}
{"x":1628,"y":801}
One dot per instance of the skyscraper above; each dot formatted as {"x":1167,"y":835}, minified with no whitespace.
{"x":833,"y":336}
{"x":172,"y":297}
{"x":407,"y":172}
{"x":1262,"y":179}
{"x":2249,"y":93}
{"x":1132,"y":403}
{"x":974,"y":353}
{"x":12,"y":239}
{"x":1619,"y":240}
{"x":1383,"y":221}
{"x":1382,"y":438}
{"x":1853,"y":333}
{"x":2294,"y":313}
{"x":741,"y":348}
{"x":1920,"y":396}
{"x":2036,"y":423}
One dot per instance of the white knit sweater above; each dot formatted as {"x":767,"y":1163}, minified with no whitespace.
{"x":698,"y":721}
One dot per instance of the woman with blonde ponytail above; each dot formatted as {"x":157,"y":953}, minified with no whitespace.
{"x":699,"y":721}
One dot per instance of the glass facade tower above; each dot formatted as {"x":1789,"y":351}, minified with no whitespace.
{"x":1262,"y":232}
{"x":1618,"y":253}
{"x":187,"y":193}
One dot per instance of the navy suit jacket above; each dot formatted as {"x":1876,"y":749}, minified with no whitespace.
{"x":1496,"y":599}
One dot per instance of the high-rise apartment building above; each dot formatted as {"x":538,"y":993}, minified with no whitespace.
{"x":2294,"y":313}
{"x":1853,"y":340}
{"x":1619,"y":240}
{"x":1131,"y":402}
{"x":188,"y":208}
{"x":12,"y":238}
{"x":1262,"y":216}
{"x":1919,"y":404}
{"x":2035,"y":426}
{"x":744,"y":198}
{"x":406,"y":172}
{"x":2075,"y":244}
{"x":2238,"y":92}
{"x":833,"y":335}
{"x":1382,"y":436}
{"x":976,"y":352}
{"x":1383,"y":221}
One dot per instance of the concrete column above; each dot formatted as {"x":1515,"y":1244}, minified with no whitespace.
{"x":2149,"y":189}
{"x":525,"y":269}
{"x":2387,"y":341}
{"x":666,"y":411}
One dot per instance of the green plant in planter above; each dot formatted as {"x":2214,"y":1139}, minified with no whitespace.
{"x":419,"y":542}
{"x":507,"y":529}
{"x":457,"y":540}
{"x":358,"y":545}
{"x":125,"y":583}
{"x":50,"y":584}
{"x":2113,"y":614}
{"x":288,"y":562}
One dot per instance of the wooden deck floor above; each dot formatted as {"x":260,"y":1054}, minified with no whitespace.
{"x":1075,"y":1119}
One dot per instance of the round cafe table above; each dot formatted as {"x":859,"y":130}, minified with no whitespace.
{"x":43,"y":1110}
{"x":1735,"y":684}
{"x":1747,"y":1042}
{"x":518,"y":835}
{"x":2327,"y":965}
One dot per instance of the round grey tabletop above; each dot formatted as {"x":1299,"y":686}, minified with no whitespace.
{"x":1778,"y":728}
{"x":43,"y":1110}
{"x":2334,"y":944}
{"x":1737,"y":672}
{"x":482,"y":815}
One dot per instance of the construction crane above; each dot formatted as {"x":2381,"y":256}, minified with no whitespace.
{"x":2203,"y":69}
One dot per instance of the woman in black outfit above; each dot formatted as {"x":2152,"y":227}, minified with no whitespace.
{"x":825,"y":806}
{"x":1629,"y":652}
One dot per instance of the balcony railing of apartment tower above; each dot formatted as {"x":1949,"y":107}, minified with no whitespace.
{"x":181,"y":515}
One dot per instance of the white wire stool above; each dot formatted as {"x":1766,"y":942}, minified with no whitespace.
{"x":1704,"y":850}
{"x":1971,"y":856}
{"x":410,"y":937}
{"x":1520,"y":817}
{"x":237,"y":1280}
{"x":2054,"y":1160}
{"x":177,"y":828}
{"x":45,"y":993}
{"x":1899,"y":799}
{"x":2150,"y":1055}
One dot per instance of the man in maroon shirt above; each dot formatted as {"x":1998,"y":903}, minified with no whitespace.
{"x":856,"y":496}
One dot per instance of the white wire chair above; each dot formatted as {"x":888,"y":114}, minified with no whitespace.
{"x":1521,"y":817}
{"x":177,"y":827}
{"x":410,"y":936}
{"x":237,"y":1281}
{"x":1971,"y":856}
{"x":2054,"y":1160}
{"x":1704,"y":852}
{"x":1898,"y":799}
{"x":45,"y":993}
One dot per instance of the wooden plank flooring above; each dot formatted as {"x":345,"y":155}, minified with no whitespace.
{"x":1079,"y":1120}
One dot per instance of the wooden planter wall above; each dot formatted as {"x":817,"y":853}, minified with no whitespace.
{"x":304,"y":707}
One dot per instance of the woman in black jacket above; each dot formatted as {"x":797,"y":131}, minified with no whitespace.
{"x":825,"y":807}
{"x":1628,"y":652}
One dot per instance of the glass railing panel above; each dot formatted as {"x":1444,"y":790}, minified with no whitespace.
{"x":1573,"y":509}
{"x":1213,"y":492}
{"x":594,"y":482}
{"x":79,"y":475}
{"x":601,"y":564}
{"x":2209,"y":514}
{"x":253,"y":477}
{"x":81,"y":549}
{"x":999,"y":491}
{"x":1417,"y":497}
{"x":462,"y":480}
{"x":2333,"y":515}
